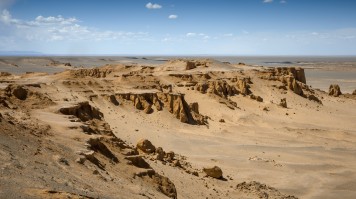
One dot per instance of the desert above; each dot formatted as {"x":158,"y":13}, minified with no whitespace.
{"x":185,"y":128}
{"x":181,"y":99}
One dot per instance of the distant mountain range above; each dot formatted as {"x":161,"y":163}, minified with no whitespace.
{"x":20,"y":53}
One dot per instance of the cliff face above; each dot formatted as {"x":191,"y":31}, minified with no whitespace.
{"x":293,"y":79}
{"x":173,"y":102}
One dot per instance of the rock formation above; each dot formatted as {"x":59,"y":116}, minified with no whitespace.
{"x":214,"y":172}
{"x":83,"y":110}
{"x":220,"y":88}
{"x":243,"y":86}
{"x":194,"y":107}
{"x":223,"y":89}
{"x":314,"y":98}
{"x":283,"y":103}
{"x":257,"y":98}
{"x":4,"y":74}
{"x":259,"y":190}
{"x":17,"y":91}
{"x":177,"y":105}
{"x":334,"y":90}
{"x":166,"y":186}
{"x":293,"y":79}
{"x":174,"y":102}
{"x":93,"y":72}
{"x":145,"y":146}
{"x":143,"y":101}
{"x":292,"y":84}
{"x":297,"y":73}
{"x":190,"y":65}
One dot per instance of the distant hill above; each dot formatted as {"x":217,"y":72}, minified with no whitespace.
{"x":20,"y":53}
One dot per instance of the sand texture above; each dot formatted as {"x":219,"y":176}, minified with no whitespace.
{"x":180,"y":129}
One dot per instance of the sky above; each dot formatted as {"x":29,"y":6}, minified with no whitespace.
{"x":179,"y":27}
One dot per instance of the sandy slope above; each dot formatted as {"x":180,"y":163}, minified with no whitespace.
{"x":306,"y":150}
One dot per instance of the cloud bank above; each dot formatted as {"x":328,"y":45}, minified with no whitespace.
{"x":60,"y":28}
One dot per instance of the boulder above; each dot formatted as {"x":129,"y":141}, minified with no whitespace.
{"x":18,"y":91}
{"x":145,"y":146}
{"x":334,"y":90}
{"x":165,"y":186}
{"x":176,"y":163}
{"x":354,"y":93}
{"x":257,"y":98}
{"x":214,"y":172}
{"x":314,"y":98}
{"x":160,"y":154}
{"x":170,"y":156}
{"x":283,"y":103}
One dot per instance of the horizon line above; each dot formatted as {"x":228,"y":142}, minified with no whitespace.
{"x":167,"y":55}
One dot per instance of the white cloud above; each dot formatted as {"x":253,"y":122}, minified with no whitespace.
{"x":61,"y":28}
{"x":153,"y":6}
{"x":58,"y":19}
{"x":6,"y":18}
{"x":197,"y":35}
{"x":191,"y":34}
{"x":228,"y":35}
{"x":267,"y":1}
{"x":283,"y":1}
{"x":172,"y":16}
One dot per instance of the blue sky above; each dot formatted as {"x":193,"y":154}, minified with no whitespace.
{"x":179,"y":27}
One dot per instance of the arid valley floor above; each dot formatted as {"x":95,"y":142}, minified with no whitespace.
{"x":127,"y":130}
